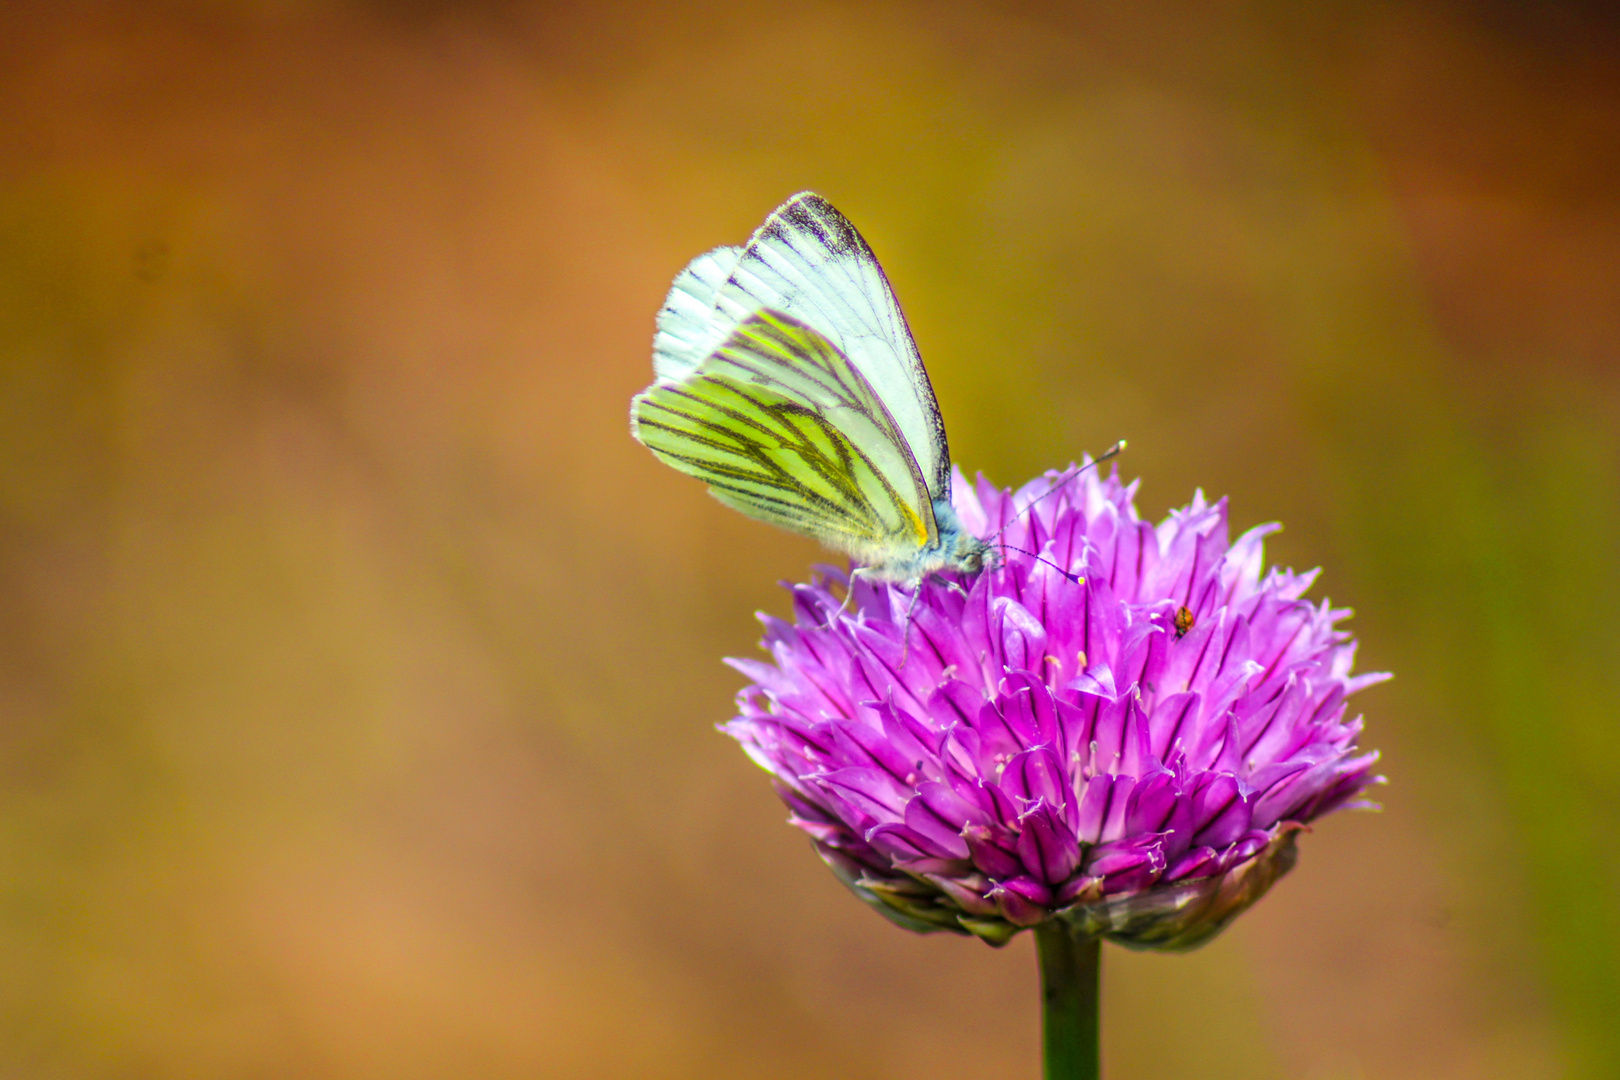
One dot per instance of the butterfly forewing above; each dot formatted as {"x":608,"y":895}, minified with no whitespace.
{"x":809,"y":262}
{"x":783,"y":427}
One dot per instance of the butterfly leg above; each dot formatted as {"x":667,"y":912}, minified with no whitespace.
{"x":849,"y":597}
{"x":905,"y":635}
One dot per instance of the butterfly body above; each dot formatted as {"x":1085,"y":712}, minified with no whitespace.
{"x":787,"y":379}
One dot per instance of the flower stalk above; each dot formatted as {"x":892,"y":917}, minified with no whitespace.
{"x":1069,"y":980}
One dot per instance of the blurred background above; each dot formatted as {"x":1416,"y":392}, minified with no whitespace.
{"x":358,"y":673}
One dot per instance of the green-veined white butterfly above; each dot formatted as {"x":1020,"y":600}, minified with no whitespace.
{"x":787,"y":379}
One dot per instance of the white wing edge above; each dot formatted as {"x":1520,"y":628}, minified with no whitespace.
{"x":689,"y":326}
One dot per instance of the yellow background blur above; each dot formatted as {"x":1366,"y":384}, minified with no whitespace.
{"x":358,"y":671}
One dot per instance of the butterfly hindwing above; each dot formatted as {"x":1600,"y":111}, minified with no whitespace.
{"x":783,"y":427}
{"x":689,"y":327}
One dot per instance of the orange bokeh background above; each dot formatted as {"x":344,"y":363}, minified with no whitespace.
{"x":359,"y":672}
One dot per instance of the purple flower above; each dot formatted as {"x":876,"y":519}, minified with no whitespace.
{"x":1124,"y":726}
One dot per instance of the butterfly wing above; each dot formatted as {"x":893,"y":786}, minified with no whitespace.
{"x":782,"y":426}
{"x":689,"y":327}
{"x":808,"y":262}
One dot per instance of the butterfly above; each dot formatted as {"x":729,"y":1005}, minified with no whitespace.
{"x":787,"y":379}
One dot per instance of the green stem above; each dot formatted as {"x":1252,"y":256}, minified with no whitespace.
{"x":1069,"y":964}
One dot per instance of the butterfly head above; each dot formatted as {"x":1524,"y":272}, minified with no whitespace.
{"x":960,"y":550}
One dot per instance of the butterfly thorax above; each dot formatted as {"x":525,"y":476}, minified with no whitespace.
{"x":955,"y":550}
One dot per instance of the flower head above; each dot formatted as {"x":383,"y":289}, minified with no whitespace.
{"x":1122,"y":726}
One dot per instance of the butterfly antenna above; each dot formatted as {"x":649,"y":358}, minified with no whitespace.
{"x":1112,"y":452}
{"x":1074,"y":578}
